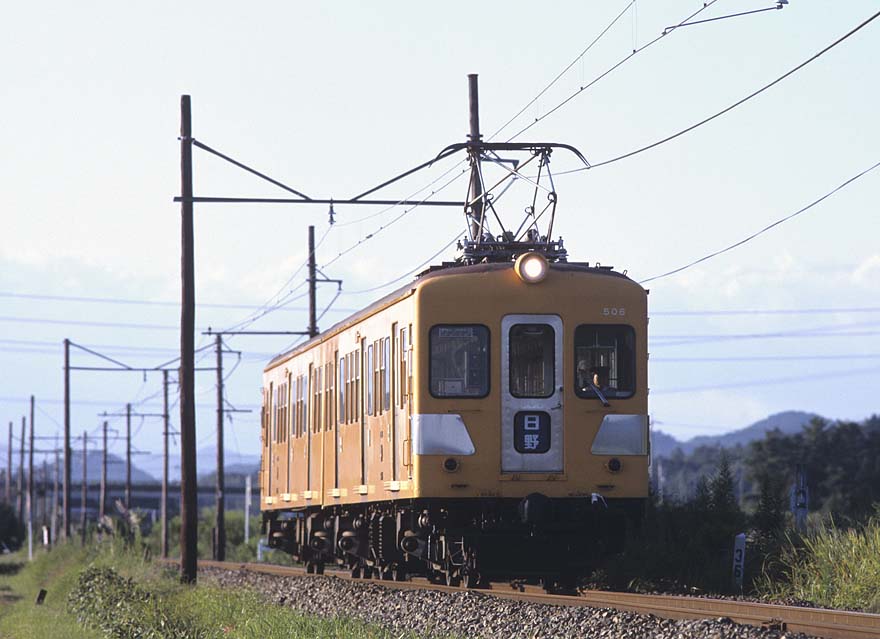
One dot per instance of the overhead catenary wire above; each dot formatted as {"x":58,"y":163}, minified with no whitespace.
{"x":564,"y":71}
{"x":408,"y":273}
{"x":765,"y":229}
{"x":608,"y":71}
{"x":727,"y":109}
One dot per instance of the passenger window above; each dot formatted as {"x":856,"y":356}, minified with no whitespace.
{"x":532,"y":360}
{"x":459,"y":360}
{"x":386,"y":381}
{"x":604,"y":357}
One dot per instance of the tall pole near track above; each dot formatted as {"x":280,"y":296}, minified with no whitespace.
{"x":20,"y":489}
{"x":102,"y":495}
{"x":67,"y":452}
{"x":220,"y":517}
{"x":30,"y":488}
{"x":84,"y":488}
{"x":164,"y":508}
{"x":55,"y":494}
{"x":9,"y":468}
{"x":188,"y":486}
{"x":313,"y":322}
{"x":475,"y":191}
{"x":128,"y":455}
{"x":45,"y":515}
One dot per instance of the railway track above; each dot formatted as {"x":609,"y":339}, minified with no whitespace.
{"x":832,"y":624}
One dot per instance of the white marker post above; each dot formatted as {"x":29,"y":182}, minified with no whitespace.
{"x":739,"y":560}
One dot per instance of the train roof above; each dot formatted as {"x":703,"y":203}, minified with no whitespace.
{"x":440,"y":270}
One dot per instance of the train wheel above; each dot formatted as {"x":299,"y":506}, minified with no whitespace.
{"x":400,"y":574}
{"x":310,"y":568}
{"x":356,"y":572}
{"x":319,"y":568}
{"x":474,"y":580}
{"x":451,"y":576}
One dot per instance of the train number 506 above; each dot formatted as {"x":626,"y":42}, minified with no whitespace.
{"x":614,"y":311}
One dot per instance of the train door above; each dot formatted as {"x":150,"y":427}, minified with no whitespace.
{"x":308,"y":426}
{"x":366,"y":375}
{"x":531,"y":394}
{"x":267,"y":444}
{"x":338,"y":416}
{"x":396,"y":405}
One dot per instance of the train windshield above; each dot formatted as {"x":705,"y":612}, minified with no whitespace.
{"x":604,"y":358}
{"x":459,"y":360}
{"x":532,"y":360}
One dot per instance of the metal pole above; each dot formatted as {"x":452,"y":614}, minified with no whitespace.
{"x":313,"y":322}
{"x":20,"y":488}
{"x":188,"y":486}
{"x":102,"y":497}
{"x":67,"y":452}
{"x":476,"y":187}
{"x":164,"y":505}
{"x":9,"y":468}
{"x":30,"y":488}
{"x":128,"y":455}
{"x":84,"y":490}
{"x":220,"y":520}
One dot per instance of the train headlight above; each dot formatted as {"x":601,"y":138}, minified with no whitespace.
{"x":531,"y":267}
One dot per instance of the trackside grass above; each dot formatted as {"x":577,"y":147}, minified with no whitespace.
{"x":832,"y":567}
{"x":20,"y":582}
{"x":106,"y":591}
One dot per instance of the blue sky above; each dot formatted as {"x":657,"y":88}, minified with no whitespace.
{"x":334,"y":98}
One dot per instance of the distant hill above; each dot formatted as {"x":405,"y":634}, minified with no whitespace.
{"x":115,"y":469}
{"x":789,"y":422}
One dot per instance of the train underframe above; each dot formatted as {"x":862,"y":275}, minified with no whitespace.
{"x":459,"y":541}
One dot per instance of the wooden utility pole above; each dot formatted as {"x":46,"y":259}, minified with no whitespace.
{"x":164,"y":508}
{"x":44,"y":517}
{"x":19,"y":504}
{"x":55,"y":495}
{"x":67,"y":452}
{"x":220,"y":520}
{"x":102,"y":494}
{"x":313,"y":322}
{"x":188,"y":486}
{"x":84,"y":490}
{"x":128,"y":456}
{"x":9,"y":468}
{"x":30,"y":488}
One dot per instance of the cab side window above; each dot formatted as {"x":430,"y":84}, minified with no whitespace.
{"x":459,"y":364}
{"x":604,"y":358}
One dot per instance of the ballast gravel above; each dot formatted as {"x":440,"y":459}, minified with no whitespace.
{"x":472,"y":613}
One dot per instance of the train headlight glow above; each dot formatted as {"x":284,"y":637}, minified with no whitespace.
{"x":531,"y":267}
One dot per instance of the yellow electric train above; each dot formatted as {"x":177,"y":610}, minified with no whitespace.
{"x":487,"y":420}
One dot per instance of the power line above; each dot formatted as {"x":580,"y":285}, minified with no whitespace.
{"x":826,"y":377}
{"x":607,"y":72}
{"x":765,"y":358}
{"x":130,"y":301}
{"x":565,"y":70}
{"x":727,"y":109}
{"x":765,"y":229}
{"x":408,"y":273}
{"x":777,"y":311}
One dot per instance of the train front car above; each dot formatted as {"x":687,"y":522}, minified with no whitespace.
{"x":529,"y":425}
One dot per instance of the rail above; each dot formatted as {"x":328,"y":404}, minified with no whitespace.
{"x":831,"y":624}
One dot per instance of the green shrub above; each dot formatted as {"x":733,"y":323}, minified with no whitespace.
{"x":830,"y":566}
{"x":116,"y":605}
